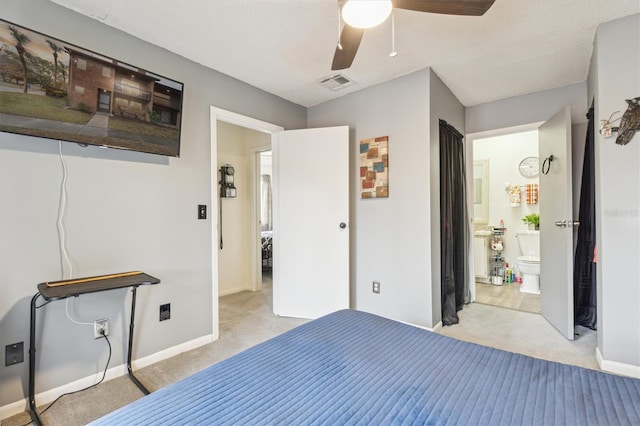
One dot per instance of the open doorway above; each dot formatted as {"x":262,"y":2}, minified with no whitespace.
{"x":505,"y":197}
{"x":554,"y":136}
{"x":235,"y":140}
{"x":265,"y":205}
{"x":297,"y":215}
{"x":243,"y":221}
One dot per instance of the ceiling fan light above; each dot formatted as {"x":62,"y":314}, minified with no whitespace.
{"x":366,"y":13}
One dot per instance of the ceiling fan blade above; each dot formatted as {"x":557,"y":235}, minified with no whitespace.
{"x":350,"y":40}
{"x":448,"y":7}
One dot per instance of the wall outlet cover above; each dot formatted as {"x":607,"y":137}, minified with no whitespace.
{"x":98,"y":325}
{"x":165,"y":311}
{"x":14,"y":353}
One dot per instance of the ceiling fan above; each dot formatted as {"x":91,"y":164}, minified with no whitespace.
{"x":353,"y":13}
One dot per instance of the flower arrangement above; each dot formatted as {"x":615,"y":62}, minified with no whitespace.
{"x":533,"y":220}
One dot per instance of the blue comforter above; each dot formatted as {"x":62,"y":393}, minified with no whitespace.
{"x":352,"y":368}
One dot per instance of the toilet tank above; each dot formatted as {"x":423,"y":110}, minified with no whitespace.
{"x":529,"y":242}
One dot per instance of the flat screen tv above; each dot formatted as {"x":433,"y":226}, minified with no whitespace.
{"x":56,"y":90}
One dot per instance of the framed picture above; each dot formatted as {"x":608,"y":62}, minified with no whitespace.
{"x":374,"y":167}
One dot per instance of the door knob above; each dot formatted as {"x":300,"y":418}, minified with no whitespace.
{"x":567,"y":223}
{"x":343,"y":225}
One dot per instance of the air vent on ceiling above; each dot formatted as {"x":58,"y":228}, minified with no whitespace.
{"x":336,"y":82}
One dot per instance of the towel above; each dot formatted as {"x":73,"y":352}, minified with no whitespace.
{"x":532,"y":193}
{"x":514,"y":195}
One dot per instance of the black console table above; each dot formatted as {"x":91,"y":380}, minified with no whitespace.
{"x":58,"y":290}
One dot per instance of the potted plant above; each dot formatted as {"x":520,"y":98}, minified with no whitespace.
{"x":533,"y":220}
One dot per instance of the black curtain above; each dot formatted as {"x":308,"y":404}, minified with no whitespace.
{"x":584,"y":268}
{"x":453,"y":224}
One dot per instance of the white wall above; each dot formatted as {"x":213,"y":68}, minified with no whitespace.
{"x":615,"y":76}
{"x":504,"y":154}
{"x":126,"y":211}
{"x":266,"y":163}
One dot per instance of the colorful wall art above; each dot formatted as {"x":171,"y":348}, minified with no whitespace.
{"x":374,"y":167}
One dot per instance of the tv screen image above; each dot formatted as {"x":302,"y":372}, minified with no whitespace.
{"x":56,"y":90}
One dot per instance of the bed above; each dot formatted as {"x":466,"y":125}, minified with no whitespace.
{"x":352,"y":367}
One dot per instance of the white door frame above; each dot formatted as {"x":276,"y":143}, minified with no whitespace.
{"x":470,"y":138}
{"x":218,"y":114}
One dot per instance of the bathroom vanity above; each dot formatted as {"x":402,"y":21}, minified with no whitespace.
{"x":481,"y":254}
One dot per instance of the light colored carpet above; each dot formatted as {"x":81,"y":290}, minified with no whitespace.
{"x":523,"y":332}
{"x":246,"y":319}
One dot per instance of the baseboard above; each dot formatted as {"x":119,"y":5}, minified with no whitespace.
{"x":13,"y":409}
{"x":113,"y":372}
{"x":435,"y":328}
{"x":617,"y":367}
{"x":233,"y":291}
{"x":172,"y":351}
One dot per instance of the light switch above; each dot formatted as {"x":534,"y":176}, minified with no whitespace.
{"x":202,"y":211}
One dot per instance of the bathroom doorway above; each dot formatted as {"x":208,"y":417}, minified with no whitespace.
{"x":505,"y":192}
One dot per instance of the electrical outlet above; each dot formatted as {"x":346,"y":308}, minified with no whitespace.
{"x":165,"y":311}
{"x":14,"y":353}
{"x":376,"y":287}
{"x":100,"y":325}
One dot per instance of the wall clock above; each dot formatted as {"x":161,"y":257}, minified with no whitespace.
{"x":529,"y":167}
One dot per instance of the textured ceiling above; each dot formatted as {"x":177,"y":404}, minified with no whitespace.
{"x":286,"y":46}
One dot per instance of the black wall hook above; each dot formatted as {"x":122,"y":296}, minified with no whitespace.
{"x":547,"y":164}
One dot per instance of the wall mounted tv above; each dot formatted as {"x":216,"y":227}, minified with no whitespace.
{"x":55,"y":90}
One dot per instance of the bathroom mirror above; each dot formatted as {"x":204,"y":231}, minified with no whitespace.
{"x":481,"y":192}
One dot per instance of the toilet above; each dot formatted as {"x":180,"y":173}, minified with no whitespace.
{"x":529,"y":260}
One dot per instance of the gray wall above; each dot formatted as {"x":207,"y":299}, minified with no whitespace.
{"x":527,"y":109}
{"x":615,"y":76}
{"x":442,"y":105}
{"x":125,"y":211}
{"x":534,"y":108}
{"x":391,"y":238}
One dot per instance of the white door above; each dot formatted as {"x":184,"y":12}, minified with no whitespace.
{"x":310,"y":222}
{"x":556,"y":240}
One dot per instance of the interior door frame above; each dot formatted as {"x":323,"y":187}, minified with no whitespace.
{"x":219,"y":114}
{"x":468,"y":149}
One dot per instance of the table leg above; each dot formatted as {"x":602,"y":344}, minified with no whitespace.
{"x":32,"y":363}
{"x":129,"y":369}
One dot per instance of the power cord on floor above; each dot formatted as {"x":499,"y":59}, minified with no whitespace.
{"x":104,"y":374}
